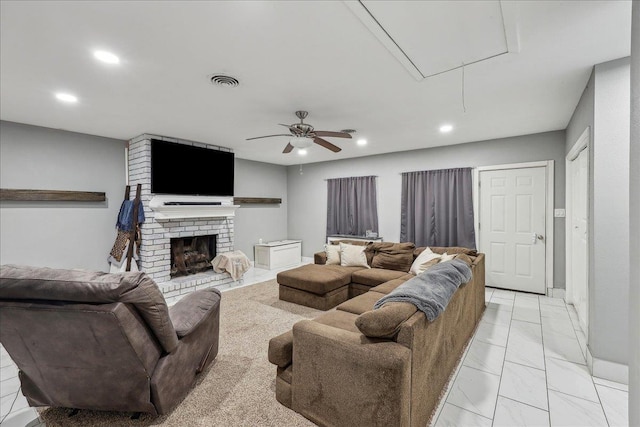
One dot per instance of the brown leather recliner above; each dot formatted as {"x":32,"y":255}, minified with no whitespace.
{"x":90,"y":340}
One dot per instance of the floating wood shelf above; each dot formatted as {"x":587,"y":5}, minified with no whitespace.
{"x":51,"y":195}
{"x":256,"y":200}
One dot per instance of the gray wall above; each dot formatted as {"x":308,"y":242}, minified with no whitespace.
{"x":59,"y":234}
{"x":634,"y":226}
{"x":609,"y":290}
{"x":308,"y":192}
{"x":253,"y":222}
{"x":604,"y":107}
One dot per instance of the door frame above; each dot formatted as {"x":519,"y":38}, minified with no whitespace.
{"x":582,"y":143}
{"x":549,"y":208}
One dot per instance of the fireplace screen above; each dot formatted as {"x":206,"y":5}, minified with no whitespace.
{"x":191,"y":255}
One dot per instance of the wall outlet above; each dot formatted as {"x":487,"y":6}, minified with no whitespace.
{"x":559,"y":213}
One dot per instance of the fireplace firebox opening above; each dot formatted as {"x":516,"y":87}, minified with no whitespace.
{"x":191,"y":255}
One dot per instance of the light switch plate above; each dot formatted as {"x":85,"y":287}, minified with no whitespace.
{"x":559,"y":213}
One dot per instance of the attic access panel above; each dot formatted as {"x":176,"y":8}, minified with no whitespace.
{"x":434,"y":37}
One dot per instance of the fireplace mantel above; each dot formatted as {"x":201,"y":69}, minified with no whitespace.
{"x":167,"y":207}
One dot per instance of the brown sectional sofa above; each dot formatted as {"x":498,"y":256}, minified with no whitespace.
{"x":332,"y":373}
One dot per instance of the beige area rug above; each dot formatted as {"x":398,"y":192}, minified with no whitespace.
{"x":239,"y":387}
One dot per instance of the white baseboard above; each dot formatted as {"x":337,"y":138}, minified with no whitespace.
{"x":607,"y":370}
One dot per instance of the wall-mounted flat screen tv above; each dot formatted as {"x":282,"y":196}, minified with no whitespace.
{"x":188,"y":170}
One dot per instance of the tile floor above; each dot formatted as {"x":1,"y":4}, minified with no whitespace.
{"x":524,"y":367}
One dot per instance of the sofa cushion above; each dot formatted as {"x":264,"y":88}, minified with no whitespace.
{"x":333,"y":254}
{"x":281,"y":349}
{"x":193,"y":309}
{"x":339,"y":319}
{"x":392,"y":256}
{"x":361,"y":303}
{"x":423,"y":261}
{"x":317,"y":279}
{"x":375,"y":276}
{"x":449,"y":250}
{"x":285,"y":374}
{"x":353,"y":256}
{"x":387,"y":287}
{"x":385,"y":322}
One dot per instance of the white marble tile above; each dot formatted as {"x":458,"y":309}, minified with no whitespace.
{"x":525,"y":344}
{"x":9,"y":386}
{"x":562,"y":347}
{"x":615,"y":404}
{"x":452,"y":416}
{"x":526,"y":301}
{"x":582,"y":342}
{"x":524,"y":384}
{"x":558,"y":326}
{"x":5,"y":404}
{"x":492,"y":333}
{"x":475,"y":391}
{"x":510,"y":413}
{"x":610,"y":384}
{"x":570,"y":378}
{"x":8,"y":372}
{"x":500,"y":304}
{"x":503,"y":293}
{"x":554,"y":311}
{"x":485,"y":357}
{"x":21,"y":418}
{"x":498,"y":317}
{"x":5,"y":360}
{"x":568,"y":410}
{"x":526,"y":314}
{"x":545,"y":300}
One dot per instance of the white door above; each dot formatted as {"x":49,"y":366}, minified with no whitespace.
{"x":512,"y":225}
{"x":579,"y":221}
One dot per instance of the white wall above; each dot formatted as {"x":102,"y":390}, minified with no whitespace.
{"x":253,"y":222}
{"x":609,"y":289}
{"x":634,"y":226}
{"x":308,"y":192}
{"x":59,"y":234}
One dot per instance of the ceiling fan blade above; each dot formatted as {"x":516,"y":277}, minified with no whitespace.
{"x":287,"y":149}
{"x":267,"y":136}
{"x":295,"y":131}
{"x":326,"y":144}
{"x":332,"y":134}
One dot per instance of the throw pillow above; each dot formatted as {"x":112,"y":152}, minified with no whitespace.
{"x":392,"y":256}
{"x":353,"y":256}
{"x":425,"y":260}
{"x":333,"y":254}
{"x":446,"y":257}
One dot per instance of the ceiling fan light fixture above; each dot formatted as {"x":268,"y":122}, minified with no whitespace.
{"x":302,"y":151}
{"x":301,"y":142}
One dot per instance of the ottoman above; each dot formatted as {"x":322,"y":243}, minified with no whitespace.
{"x":316,"y":286}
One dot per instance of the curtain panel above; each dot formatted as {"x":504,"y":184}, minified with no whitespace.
{"x":437,"y":208}
{"x":352,"y":206}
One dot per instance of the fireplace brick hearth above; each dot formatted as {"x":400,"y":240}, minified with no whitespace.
{"x":155,"y":253}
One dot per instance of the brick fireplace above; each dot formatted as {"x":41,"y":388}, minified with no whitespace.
{"x":166,"y":223}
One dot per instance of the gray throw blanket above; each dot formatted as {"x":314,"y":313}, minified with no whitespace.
{"x":431,"y":291}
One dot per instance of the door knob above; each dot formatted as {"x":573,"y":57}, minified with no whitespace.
{"x":540,"y":237}
{"x":535,"y":237}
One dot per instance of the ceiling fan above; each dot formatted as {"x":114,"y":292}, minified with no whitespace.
{"x":304,"y":134}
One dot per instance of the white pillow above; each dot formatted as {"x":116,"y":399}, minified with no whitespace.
{"x":446,"y":257}
{"x":333,"y":254}
{"x":353,"y":256}
{"x":424,"y":261}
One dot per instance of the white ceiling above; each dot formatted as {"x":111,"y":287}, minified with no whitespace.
{"x":318,"y":56}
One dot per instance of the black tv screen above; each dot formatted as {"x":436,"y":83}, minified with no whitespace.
{"x":188,"y":170}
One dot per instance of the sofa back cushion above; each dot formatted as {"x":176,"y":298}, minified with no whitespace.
{"x":391,"y":256}
{"x":385,"y":321}
{"x":48,"y":284}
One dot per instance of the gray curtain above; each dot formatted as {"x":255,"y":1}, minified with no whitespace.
{"x":352,"y":207}
{"x":437,"y":208}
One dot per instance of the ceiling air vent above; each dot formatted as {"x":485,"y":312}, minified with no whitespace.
{"x":222,"y":80}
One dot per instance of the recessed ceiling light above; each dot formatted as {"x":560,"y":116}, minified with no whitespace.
{"x":362,"y":142}
{"x":66,"y":97}
{"x":106,"y":57}
{"x":302,"y":152}
{"x":446,"y":128}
